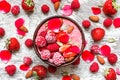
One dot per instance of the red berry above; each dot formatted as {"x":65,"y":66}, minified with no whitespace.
{"x":29,"y":43}
{"x":66,"y":77}
{"x":77,"y":62}
{"x":54,"y":1}
{"x":53,"y":47}
{"x":116,"y":22}
{"x":105,"y":50}
{"x":10,"y":69}
{"x":75,"y":4}
{"x":45,"y":54}
{"x":74,"y":49}
{"x":86,"y":23}
{"x":2,"y":32}
{"x":27,"y":60}
{"x":94,"y":67}
{"x":50,"y":37}
{"x":95,"y":49}
{"x":64,"y":38}
{"x":15,"y":10}
{"x":40,"y":41}
{"x":45,"y":8}
{"x":107,"y":22}
{"x":112,"y":58}
{"x":52,"y":69}
{"x":43,"y":33}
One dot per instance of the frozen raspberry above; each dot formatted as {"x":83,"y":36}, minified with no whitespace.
{"x":2,"y":32}
{"x":43,"y":33}
{"x":50,"y":37}
{"x":29,"y":43}
{"x":75,"y":4}
{"x":95,"y":49}
{"x":107,"y":22}
{"x":45,"y":54}
{"x":53,"y":47}
{"x":40,"y":41}
{"x":27,"y":60}
{"x":45,"y":8}
{"x":58,"y":59}
{"x":86,"y":23}
{"x":15,"y":10}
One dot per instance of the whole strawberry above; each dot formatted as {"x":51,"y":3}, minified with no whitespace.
{"x":97,"y":34}
{"x":28,"y":5}
{"x":110,"y":74}
{"x":94,"y":67}
{"x":10,"y":69}
{"x":75,"y":4}
{"x":112,"y":58}
{"x":109,"y":8}
{"x":15,"y":10}
{"x":13,"y":44}
{"x":40,"y":70}
{"x":2,"y":32}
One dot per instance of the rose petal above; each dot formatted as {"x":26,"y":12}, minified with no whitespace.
{"x":96,"y":10}
{"x":66,"y":10}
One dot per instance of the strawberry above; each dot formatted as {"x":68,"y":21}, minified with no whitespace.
{"x":2,"y":32}
{"x":94,"y":67}
{"x":108,"y":7}
{"x":27,"y":60}
{"x":74,"y":49}
{"x":13,"y":44}
{"x":77,"y":62}
{"x":28,"y":5}
{"x":66,"y":77}
{"x":75,"y":4}
{"x":107,"y":22}
{"x":45,"y":8}
{"x":105,"y":50}
{"x":40,"y":70}
{"x":10,"y":69}
{"x":64,"y":38}
{"x":95,"y":49}
{"x":110,"y":74}
{"x":97,"y":34}
{"x":29,"y":43}
{"x":15,"y":10}
{"x":112,"y":58}
{"x":86,"y":23}
{"x":53,"y":47}
{"x":52,"y":69}
{"x":69,"y":54}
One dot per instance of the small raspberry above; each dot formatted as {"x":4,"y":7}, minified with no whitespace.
{"x":43,"y":33}
{"x":53,"y":47}
{"x":45,"y":54}
{"x":45,"y":8}
{"x":86,"y":23}
{"x":29,"y":43}
{"x":107,"y":22}
{"x":112,"y":58}
{"x":75,"y":4}
{"x":66,"y":77}
{"x":58,"y":59}
{"x":54,"y":1}
{"x":95,"y":49}
{"x":94,"y":67}
{"x":27,"y":60}
{"x":40,"y":41}
{"x":50,"y":37}
{"x":52,"y":69}
{"x":2,"y":32}
{"x":15,"y":10}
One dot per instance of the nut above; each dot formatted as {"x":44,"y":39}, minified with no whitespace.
{"x":75,"y":77}
{"x":94,"y":18}
{"x":101,"y":60}
{"x":70,"y":29}
{"x":29,"y":74}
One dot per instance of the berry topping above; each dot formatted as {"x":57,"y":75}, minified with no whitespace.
{"x":27,"y":60}
{"x":112,"y":58}
{"x":45,"y":8}
{"x":43,"y":33}
{"x":50,"y":37}
{"x":107,"y":22}
{"x":94,"y":67}
{"x":53,"y":47}
{"x":86,"y":23}
{"x":105,"y":50}
{"x":29,"y":43}
{"x":45,"y":54}
{"x":15,"y":10}
{"x":95,"y":49}
{"x":40,"y":41}
{"x":75,"y":4}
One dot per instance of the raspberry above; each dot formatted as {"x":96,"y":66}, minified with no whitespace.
{"x":52,"y":69}
{"x":86,"y":23}
{"x":95,"y":49}
{"x":29,"y":43}
{"x":45,"y":54}
{"x":45,"y":8}
{"x":27,"y":60}
{"x":53,"y":47}
{"x":15,"y":10}
{"x":112,"y":58}
{"x":66,"y":77}
{"x":116,"y":22}
{"x":58,"y":59}
{"x":77,"y":62}
{"x":40,"y":41}
{"x":50,"y":37}
{"x":10,"y":69}
{"x":54,"y":1}
{"x":2,"y":32}
{"x":94,"y":67}
{"x":75,"y":4}
{"x":43,"y":33}
{"x":107,"y":22}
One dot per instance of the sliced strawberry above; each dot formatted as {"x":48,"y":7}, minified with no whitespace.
{"x":69,"y":54}
{"x":64,"y":38}
{"x":96,"y":10}
{"x":55,"y":24}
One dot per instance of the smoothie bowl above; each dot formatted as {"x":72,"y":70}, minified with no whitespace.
{"x":58,"y":41}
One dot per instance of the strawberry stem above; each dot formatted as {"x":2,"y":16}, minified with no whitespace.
{"x":29,"y":3}
{"x":35,"y":75}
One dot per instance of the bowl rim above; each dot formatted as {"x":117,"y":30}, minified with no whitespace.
{"x":64,"y":17}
